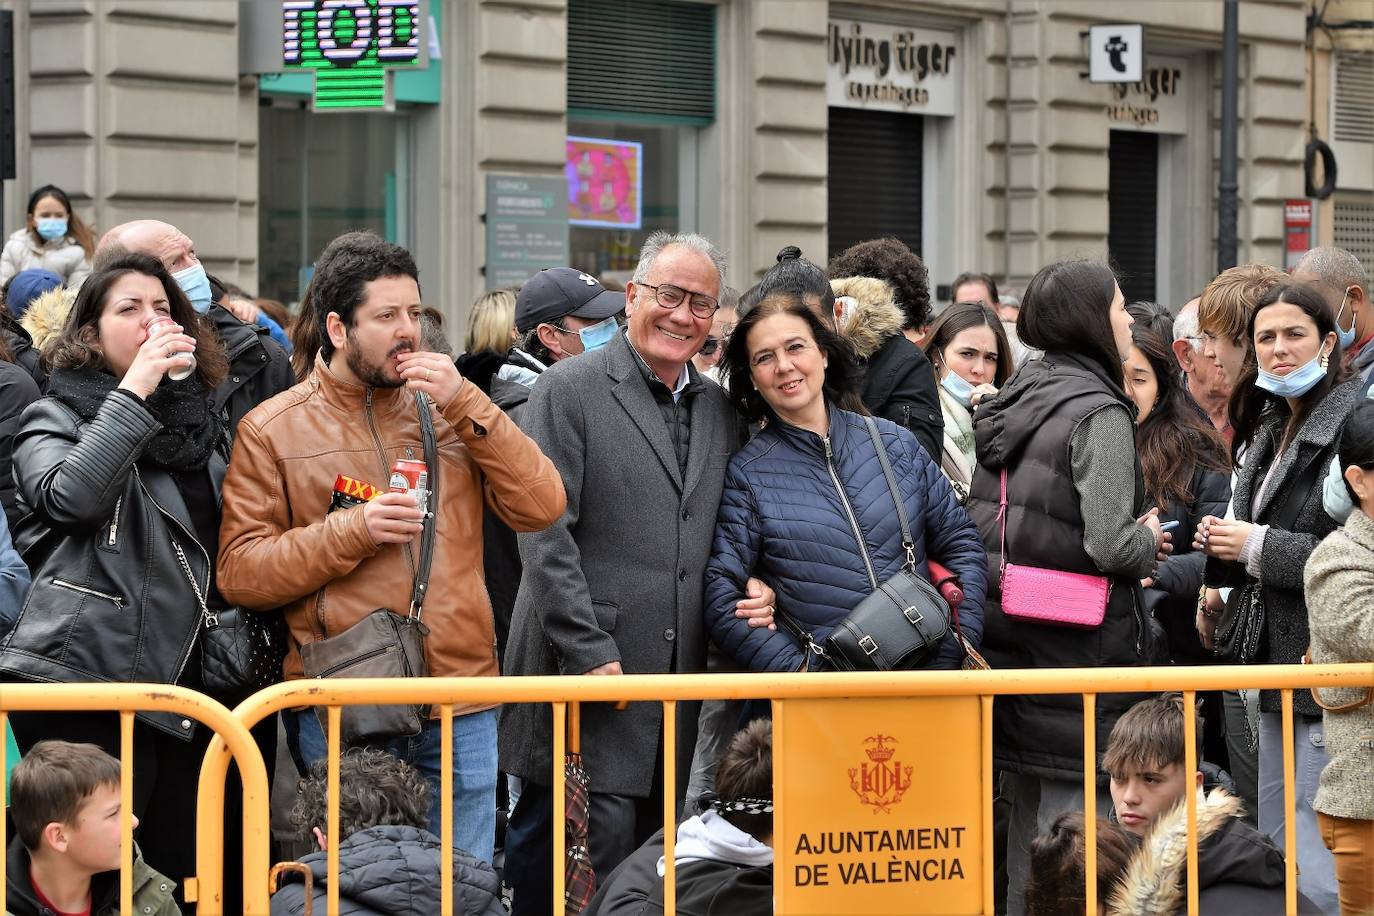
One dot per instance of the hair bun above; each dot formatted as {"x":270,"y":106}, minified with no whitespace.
{"x":790,"y":253}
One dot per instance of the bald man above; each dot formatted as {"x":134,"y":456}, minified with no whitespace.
{"x":1341,"y":279}
{"x":258,"y":366}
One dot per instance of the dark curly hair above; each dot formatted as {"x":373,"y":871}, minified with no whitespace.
{"x":889,"y":259}
{"x":342,"y":273}
{"x":375,"y":789}
{"x":1057,"y":883}
{"x":841,"y":384}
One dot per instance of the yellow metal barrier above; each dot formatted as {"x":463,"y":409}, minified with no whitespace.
{"x":669,"y":689}
{"x":230,"y":736}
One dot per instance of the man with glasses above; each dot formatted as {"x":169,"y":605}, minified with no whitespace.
{"x":707,"y":359}
{"x":1201,"y":375}
{"x":615,"y":586}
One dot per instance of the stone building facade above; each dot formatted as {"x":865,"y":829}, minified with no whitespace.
{"x":980,"y":139}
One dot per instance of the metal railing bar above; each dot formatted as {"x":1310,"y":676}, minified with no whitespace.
{"x":989,"y":851}
{"x":332,"y":816}
{"x":817,"y":685}
{"x":1090,"y":802}
{"x":560,"y":813}
{"x":1290,"y":803}
{"x":446,"y":802}
{"x":126,"y":811}
{"x":1190,"y":764}
{"x":669,"y":808}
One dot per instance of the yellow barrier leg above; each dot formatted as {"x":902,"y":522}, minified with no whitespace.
{"x":1290,"y":826}
{"x":446,"y":815}
{"x":560,"y":814}
{"x":126,"y":811}
{"x":1190,"y":768}
{"x":332,"y":857}
{"x":989,"y":891}
{"x":1090,"y":799}
{"x":4,"y":770}
{"x":669,"y":808}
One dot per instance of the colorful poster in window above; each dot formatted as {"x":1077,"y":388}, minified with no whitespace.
{"x":605,"y":182}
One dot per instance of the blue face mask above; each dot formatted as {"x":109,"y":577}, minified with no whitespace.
{"x":1296,"y":383}
{"x":195,"y":285}
{"x":598,"y":335}
{"x":52,"y":228}
{"x":1347,"y":338}
{"x":957,"y":387}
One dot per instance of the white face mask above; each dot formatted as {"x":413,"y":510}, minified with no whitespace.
{"x":959,"y":388}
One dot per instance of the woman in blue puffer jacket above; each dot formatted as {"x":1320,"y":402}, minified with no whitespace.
{"x":809,"y":488}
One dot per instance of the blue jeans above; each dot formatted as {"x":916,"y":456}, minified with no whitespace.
{"x":1316,"y":865}
{"x":474,"y":772}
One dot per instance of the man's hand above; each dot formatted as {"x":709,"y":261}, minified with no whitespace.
{"x":242,"y":309}
{"x":608,"y":668}
{"x":759,"y":606}
{"x":433,"y":373}
{"x":393,"y":518}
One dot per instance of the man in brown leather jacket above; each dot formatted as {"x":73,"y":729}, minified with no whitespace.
{"x":354,"y":415}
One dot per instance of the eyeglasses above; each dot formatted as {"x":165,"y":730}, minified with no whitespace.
{"x":713,"y":344}
{"x":670,"y":297}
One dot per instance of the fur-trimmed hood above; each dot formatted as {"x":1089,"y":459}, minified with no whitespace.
{"x":47,"y":314}
{"x":1239,"y":869}
{"x":875,"y":317}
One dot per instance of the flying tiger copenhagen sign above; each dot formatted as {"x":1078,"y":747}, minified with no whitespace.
{"x":891,"y":68}
{"x":877,"y":806}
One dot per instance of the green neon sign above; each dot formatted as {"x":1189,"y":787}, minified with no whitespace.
{"x":351,"y":45}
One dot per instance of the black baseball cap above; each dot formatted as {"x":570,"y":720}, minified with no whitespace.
{"x":557,"y":292}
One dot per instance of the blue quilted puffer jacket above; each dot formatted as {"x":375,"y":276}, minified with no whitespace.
{"x":783,"y":519}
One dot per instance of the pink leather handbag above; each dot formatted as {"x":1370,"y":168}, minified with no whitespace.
{"x":1051,"y":597}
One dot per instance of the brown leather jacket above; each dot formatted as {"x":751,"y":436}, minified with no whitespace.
{"x":280,"y":546}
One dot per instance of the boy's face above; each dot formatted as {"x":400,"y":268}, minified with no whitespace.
{"x":91,"y":840}
{"x":1142,"y":795}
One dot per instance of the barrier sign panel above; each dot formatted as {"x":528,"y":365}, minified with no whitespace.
{"x":877,"y":806}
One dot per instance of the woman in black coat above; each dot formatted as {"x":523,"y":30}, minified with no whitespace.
{"x":1062,"y":430}
{"x":119,"y":470}
{"x":1287,"y":411}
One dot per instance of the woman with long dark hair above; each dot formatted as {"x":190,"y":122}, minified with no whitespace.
{"x":1062,"y":432}
{"x":1287,"y":410}
{"x":806,"y":507}
{"x":972,"y":359}
{"x":119,"y":470}
{"x":1187,"y":475}
{"x":52,"y":238}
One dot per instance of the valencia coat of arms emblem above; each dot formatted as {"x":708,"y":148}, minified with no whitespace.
{"x":881,"y":781}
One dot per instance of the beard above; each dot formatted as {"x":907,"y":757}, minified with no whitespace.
{"x":372,"y":374}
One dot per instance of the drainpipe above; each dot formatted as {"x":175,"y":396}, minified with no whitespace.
{"x":1006,"y":158}
{"x":1226,"y":189}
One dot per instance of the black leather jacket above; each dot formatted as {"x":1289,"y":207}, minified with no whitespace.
{"x":258,"y":367}
{"x":109,"y":600}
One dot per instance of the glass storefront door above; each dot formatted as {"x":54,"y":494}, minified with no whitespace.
{"x":321,"y":175}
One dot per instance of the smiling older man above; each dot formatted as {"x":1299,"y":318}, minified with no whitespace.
{"x":615,"y":585}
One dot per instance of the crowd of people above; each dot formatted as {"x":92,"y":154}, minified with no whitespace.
{"x":678,"y":476}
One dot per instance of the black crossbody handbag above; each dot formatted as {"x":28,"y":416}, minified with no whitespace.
{"x":901,"y":624}
{"x":384,"y":643}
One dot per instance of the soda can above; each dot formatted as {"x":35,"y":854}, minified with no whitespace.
{"x":408,"y":476}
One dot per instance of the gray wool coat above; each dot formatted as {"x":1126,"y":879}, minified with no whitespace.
{"x":1285,"y":552}
{"x":1340,"y":608}
{"x":619,"y":576}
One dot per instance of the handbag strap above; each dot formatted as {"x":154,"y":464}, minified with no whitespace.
{"x":1002,"y":523}
{"x":908,"y":544}
{"x":431,"y":449}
